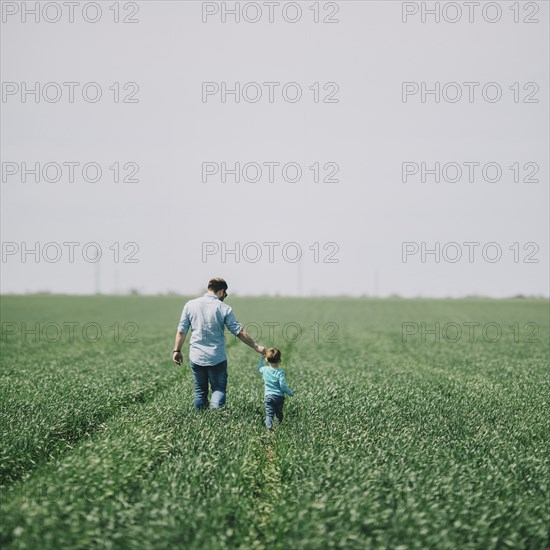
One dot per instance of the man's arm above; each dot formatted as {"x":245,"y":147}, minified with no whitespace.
{"x":243,"y":336}
{"x":183,"y":328}
{"x":180,"y":340}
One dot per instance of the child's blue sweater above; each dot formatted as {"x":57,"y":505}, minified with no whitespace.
{"x":274,"y":380}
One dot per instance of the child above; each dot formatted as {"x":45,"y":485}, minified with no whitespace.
{"x":274,"y":386}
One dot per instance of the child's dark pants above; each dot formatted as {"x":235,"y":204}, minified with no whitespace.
{"x":273,"y":407}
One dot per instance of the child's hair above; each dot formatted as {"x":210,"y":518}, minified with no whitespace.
{"x":273,"y":355}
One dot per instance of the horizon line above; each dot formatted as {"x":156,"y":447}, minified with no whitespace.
{"x":317,"y":296}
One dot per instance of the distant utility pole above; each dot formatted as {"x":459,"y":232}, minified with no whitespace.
{"x":376,"y":282}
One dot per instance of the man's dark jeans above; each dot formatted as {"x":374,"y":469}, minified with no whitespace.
{"x":217,"y":376}
{"x":273,"y":407}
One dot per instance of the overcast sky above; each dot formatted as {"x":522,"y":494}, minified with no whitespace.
{"x":360,"y":232}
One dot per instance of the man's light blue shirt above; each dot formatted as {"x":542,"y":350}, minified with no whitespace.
{"x":206,"y":317}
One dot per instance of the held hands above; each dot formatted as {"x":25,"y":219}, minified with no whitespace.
{"x":177,"y":357}
{"x":260,"y":349}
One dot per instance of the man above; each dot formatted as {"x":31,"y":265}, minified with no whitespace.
{"x":207,"y":316}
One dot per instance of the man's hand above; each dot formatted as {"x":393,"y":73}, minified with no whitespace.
{"x":180,"y":340}
{"x":260,"y":349}
{"x":243,"y":336}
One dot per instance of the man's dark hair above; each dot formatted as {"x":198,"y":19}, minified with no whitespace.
{"x":217,"y":284}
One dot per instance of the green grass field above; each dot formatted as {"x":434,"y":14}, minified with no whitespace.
{"x":393,"y":440}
